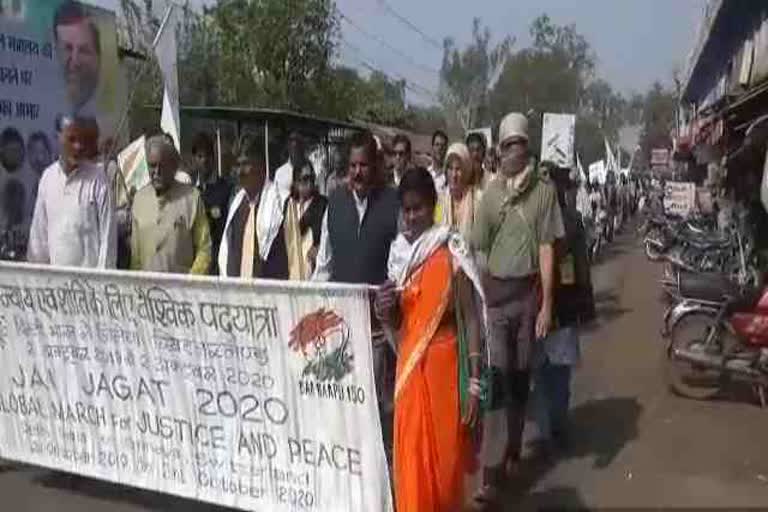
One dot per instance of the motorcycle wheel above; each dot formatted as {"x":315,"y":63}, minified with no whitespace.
{"x":651,"y":252}
{"x":685,"y":378}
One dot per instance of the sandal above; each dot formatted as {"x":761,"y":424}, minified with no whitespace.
{"x":486,"y":496}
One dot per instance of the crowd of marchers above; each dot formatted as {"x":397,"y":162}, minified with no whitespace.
{"x":478,"y":268}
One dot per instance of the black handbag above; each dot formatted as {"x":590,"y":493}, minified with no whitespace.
{"x":574,"y":299}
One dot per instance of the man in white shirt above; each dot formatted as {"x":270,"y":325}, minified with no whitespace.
{"x":74,"y":218}
{"x":238,"y":254}
{"x":297,"y":157}
{"x":401,"y":147}
{"x":437,"y":167}
{"x":357,"y":230}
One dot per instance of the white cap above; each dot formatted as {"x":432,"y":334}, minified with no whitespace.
{"x":513,"y":125}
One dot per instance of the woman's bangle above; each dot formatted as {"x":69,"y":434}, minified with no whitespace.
{"x":475,"y":387}
{"x":474,"y":355}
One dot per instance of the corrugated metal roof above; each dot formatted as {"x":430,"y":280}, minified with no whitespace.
{"x":255,"y":115}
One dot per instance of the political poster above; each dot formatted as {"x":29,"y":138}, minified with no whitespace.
{"x":679,"y":198}
{"x":598,"y":172}
{"x":557,"y":139}
{"x":486,"y":133}
{"x":253,"y":395}
{"x":57,"y":57}
{"x":659,"y":158}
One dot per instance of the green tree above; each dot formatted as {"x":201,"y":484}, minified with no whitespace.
{"x":426,"y":119}
{"x":274,"y":52}
{"x":467,"y":75}
{"x":382,"y":100}
{"x":555,"y":74}
{"x":658,"y":120}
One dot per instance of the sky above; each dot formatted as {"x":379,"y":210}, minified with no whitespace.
{"x":637,"y":41}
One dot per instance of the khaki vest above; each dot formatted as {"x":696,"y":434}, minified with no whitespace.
{"x":164,"y":228}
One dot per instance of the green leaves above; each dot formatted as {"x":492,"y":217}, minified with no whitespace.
{"x":466,"y":76}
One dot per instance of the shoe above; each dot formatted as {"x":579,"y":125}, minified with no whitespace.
{"x":485,"y":498}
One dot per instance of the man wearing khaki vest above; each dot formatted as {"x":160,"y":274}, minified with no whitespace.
{"x":518,"y":222}
{"x":170,"y":227}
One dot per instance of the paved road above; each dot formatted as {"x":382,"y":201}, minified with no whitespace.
{"x":634,"y":444}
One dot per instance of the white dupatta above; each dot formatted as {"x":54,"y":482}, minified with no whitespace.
{"x":269,"y":218}
{"x":405,"y":258}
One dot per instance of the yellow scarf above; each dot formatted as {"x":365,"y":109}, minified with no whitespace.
{"x":295,"y":244}
{"x":460,"y":215}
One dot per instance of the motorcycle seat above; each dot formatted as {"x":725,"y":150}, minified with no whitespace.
{"x":707,"y":287}
{"x":707,"y":242}
{"x":745,"y":300}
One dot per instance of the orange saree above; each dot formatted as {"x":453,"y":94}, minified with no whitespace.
{"x":429,"y":438}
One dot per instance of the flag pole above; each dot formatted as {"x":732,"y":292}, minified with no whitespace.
{"x":168,"y":11}
{"x":132,"y":94}
{"x":139,"y":77}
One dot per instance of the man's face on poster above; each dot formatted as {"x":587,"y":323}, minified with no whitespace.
{"x":39,"y":155}
{"x":12,"y":155}
{"x":77,"y":47}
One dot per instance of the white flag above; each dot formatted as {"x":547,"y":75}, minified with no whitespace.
{"x":165,"y":50}
{"x":609,"y":158}
{"x":132,"y":162}
{"x":582,"y":174}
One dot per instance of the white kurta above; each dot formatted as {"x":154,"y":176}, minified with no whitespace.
{"x":74,"y":220}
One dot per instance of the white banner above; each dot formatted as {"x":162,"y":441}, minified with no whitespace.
{"x":253,"y":395}
{"x":679,"y":198}
{"x":557,"y":139}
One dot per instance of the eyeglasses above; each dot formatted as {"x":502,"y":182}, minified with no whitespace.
{"x":401,"y":153}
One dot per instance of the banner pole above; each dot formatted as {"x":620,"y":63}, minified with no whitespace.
{"x":139,"y":76}
{"x":218,"y":148}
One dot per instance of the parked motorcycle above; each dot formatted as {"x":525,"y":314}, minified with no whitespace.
{"x":694,"y":292}
{"x":733,"y":255}
{"x":656,"y":240}
{"x":708,"y":346}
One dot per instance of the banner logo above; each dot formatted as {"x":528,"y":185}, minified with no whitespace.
{"x":322,"y":339}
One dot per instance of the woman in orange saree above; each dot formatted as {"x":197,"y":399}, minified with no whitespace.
{"x":432,"y":283}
